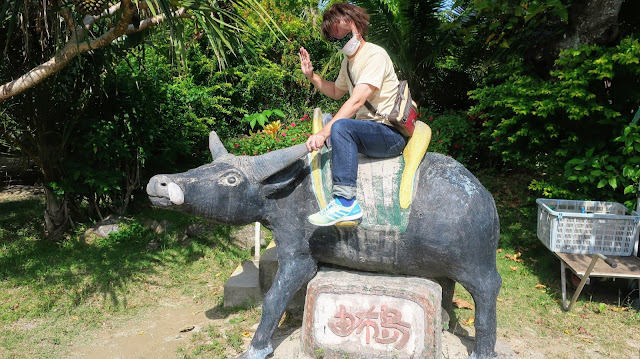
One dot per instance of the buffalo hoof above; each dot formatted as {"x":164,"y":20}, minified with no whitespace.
{"x":253,"y":353}
{"x":476,"y":356}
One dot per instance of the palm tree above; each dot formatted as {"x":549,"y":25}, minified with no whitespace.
{"x":409,"y":31}
{"x":65,"y":30}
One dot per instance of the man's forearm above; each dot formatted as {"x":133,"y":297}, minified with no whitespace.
{"x":328,"y":88}
{"x":348,"y":110}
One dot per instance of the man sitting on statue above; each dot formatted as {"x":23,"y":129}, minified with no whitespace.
{"x":367,"y":73}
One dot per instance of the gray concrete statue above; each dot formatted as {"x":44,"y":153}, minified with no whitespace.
{"x":448,"y":233}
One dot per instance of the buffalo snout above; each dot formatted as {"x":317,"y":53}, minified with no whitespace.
{"x":163,"y":191}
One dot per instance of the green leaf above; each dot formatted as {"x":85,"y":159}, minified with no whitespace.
{"x":613,"y":183}
{"x":602,"y":183}
{"x":262,"y":119}
{"x":628,"y":189}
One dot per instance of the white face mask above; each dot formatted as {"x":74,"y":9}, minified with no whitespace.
{"x":351,"y":46}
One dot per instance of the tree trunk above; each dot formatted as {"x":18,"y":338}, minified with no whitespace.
{"x":592,"y":22}
{"x":56,"y":215}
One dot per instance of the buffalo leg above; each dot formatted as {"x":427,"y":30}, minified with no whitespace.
{"x":292,"y":274}
{"x":484,"y":289}
{"x":448,"y":287}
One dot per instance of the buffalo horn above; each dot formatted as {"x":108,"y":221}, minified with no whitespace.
{"x":215,"y":146}
{"x":264,"y":166}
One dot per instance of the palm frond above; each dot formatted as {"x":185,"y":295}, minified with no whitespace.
{"x":13,"y":18}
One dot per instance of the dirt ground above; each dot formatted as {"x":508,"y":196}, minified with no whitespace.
{"x":161,"y":331}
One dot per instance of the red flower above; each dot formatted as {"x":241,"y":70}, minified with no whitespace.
{"x":456,"y":146}
{"x":431,"y":118}
{"x":255,"y":153}
{"x":284,"y":134}
{"x":439,"y":141}
{"x":277,"y":140}
{"x":237,"y":145}
{"x":293,"y":124}
{"x":293,"y":139}
{"x":497,"y":138}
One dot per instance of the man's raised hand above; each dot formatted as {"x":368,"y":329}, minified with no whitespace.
{"x":305,"y":63}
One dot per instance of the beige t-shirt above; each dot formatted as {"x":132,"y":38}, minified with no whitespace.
{"x":371,"y":65}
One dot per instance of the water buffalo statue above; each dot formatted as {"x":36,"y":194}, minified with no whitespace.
{"x":451,"y":232}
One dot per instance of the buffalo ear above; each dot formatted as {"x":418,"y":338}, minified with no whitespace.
{"x":280,"y":182}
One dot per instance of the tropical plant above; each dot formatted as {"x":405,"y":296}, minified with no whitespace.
{"x":408,"y":30}
{"x":273,"y":136}
{"x":91,"y":24}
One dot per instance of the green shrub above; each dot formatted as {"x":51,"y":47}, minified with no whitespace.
{"x":612,"y":169}
{"x":144,"y":121}
{"x":456,"y":134}
{"x":566,"y":126}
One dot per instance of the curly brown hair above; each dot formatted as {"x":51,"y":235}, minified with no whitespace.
{"x":347,"y":12}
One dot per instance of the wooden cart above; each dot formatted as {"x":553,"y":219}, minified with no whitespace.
{"x":586,"y":266}
{"x":591,"y":238}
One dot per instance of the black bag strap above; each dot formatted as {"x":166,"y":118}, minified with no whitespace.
{"x":367,"y":104}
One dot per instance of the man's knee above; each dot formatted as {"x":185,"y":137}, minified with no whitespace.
{"x":341,"y":127}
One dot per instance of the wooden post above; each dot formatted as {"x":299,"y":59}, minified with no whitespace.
{"x":257,"y":241}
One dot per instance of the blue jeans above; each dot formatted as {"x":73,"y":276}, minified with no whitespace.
{"x":350,"y":137}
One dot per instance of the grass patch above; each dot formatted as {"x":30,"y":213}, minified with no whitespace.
{"x":601,"y":324}
{"x":51,"y":292}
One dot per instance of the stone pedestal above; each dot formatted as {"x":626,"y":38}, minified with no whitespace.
{"x":243,"y":288}
{"x":366,"y":316}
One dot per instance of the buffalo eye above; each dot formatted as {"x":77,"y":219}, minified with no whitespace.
{"x":230,"y":179}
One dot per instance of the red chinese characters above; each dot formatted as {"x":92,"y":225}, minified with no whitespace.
{"x":385,"y":326}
